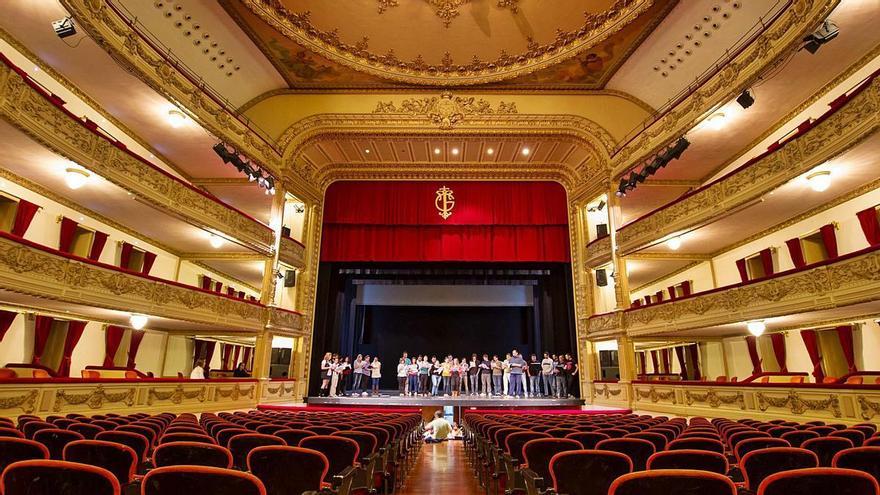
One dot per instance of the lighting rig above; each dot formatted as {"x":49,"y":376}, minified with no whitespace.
{"x":660,"y":160}
{"x":254,"y":172}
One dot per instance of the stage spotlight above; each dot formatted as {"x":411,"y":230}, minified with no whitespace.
{"x":674,"y":153}
{"x":826,"y":32}
{"x":745,"y":99}
{"x":64,"y":27}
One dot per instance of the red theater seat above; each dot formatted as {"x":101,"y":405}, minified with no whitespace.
{"x":638,"y":451}
{"x":706,"y":444}
{"x":701,"y":460}
{"x":57,"y":477}
{"x":188,"y":453}
{"x":119,"y":459}
{"x":292,"y":437}
{"x":820,"y":481}
{"x":672,"y":482}
{"x":826,"y":448}
{"x":537,"y":453}
{"x":241,"y":445}
{"x":180,"y":480}
{"x":759,"y":464}
{"x":19,"y":449}
{"x":288,"y":470}
{"x":340,"y":452}
{"x":588,"y":439}
{"x":587,"y":472}
{"x":55,"y":440}
{"x":866,"y":459}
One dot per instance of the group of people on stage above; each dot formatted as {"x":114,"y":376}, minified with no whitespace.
{"x":514,"y":376}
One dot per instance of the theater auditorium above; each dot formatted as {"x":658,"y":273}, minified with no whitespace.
{"x":481,"y":247}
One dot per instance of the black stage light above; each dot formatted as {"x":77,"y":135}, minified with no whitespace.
{"x":675,"y":151}
{"x":637,"y":177}
{"x":826,"y":32}
{"x":223,"y":152}
{"x":745,"y":99}
{"x":64,"y":27}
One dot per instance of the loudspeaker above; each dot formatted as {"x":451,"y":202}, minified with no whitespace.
{"x":290,"y":278}
{"x":601,"y":277}
{"x":285,"y":231}
{"x":601,"y":230}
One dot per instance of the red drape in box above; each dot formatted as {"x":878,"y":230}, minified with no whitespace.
{"x":752,"y":343}
{"x":671,"y":290}
{"x":24,"y":214}
{"x":643,"y":365}
{"x":845,"y":335}
{"x":198,"y":351}
{"x":241,"y":294}
{"x":149,"y":259}
{"x":659,"y":295}
{"x":218,"y":286}
{"x":870,"y":225}
{"x":230,"y":291}
{"x":125,"y":255}
{"x":490,"y":221}
{"x":98,"y":242}
{"x":796,"y":251}
{"x":137,"y":336}
{"x":694,"y":350}
{"x":246,"y":359}
{"x":637,"y":303}
{"x":778,"y":341}
{"x":648,"y":300}
{"x":209,"y":353}
{"x":655,"y":362}
{"x":206,"y":282}
{"x":236,"y":357}
{"x":686,"y":288}
{"x":42,"y":329}
{"x":666,"y":362}
{"x":679,"y":353}
{"x":65,"y":238}
{"x":829,"y":238}
{"x":767,"y":261}
{"x":112,"y":339}
{"x":741,"y":268}
{"x":225,"y":356}
{"x":811,"y":342}
{"x":74,"y":333}
{"x":6,"y":319}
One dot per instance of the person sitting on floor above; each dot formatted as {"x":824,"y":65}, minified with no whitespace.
{"x":438,"y":430}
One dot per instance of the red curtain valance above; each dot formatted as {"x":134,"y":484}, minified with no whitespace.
{"x":137,"y":336}
{"x":870,"y":225}
{"x":752,"y":344}
{"x":42,"y":329}
{"x":65,"y":238}
{"x":491,"y":221}
{"x":24,"y":214}
{"x":112,"y":339}
{"x":98,"y":242}
{"x":797,"y":252}
{"x":845,"y":335}
{"x":778,"y":341}
{"x":75,"y":330}
{"x":6,"y":319}
{"x":811,"y":342}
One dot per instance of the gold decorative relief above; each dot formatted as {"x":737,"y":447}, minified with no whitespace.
{"x":176,"y":396}
{"x":608,"y":322}
{"x":445,"y":110}
{"x":292,"y":253}
{"x":285,"y":320}
{"x":598,"y":252}
{"x":386,"y":4}
{"x":654,"y":395}
{"x":605,"y":391}
{"x":446,"y":10}
{"x":714,"y":399}
{"x":797,"y":404}
{"x":26,"y":403}
{"x":234,"y":393}
{"x":281,"y":390}
{"x":868,"y":408}
{"x":95,"y":399}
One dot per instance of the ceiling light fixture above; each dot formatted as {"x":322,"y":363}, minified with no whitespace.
{"x":756,"y":328}
{"x":367,"y":150}
{"x":138,"y":322}
{"x":490,"y":151}
{"x":455,"y":151}
{"x":75,"y":177}
{"x":526,"y":151}
{"x":674,"y":243}
{"x":819,"y":180}
{"x":436,"y":151}
{"x":216,"y":241}
{"x":826,"y":32}
{"x":176,"y":118}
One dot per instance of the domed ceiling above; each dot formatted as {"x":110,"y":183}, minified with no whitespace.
{"x":576,"y":44}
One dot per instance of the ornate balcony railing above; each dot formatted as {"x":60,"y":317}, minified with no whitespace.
{"x":598,"y":252}
{"x":292,"y":252}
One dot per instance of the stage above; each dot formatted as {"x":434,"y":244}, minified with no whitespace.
{"x":461,"y":401}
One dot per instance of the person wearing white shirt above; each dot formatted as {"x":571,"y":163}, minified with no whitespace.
{"x":198,"y":373}
{"x":505,"y":365}
{"x":401,"y":377}
{"x":375,"y":374}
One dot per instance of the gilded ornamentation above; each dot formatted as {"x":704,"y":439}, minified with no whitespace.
{"x":511,"y":5}
{"x":293,"y":253}
{"x":386,"y":4}
{"x":596,"y":27}
{"x":234,"y":393}
{"x":598,"y":252}
{"x":446,"y":110}
{"x":607,"y":322}
{"x":286,"y":320}
{"x":95,"y":399}
{"x":655,"y":396}
{"x":869,"y":409}
{"x":798,"y":405}
{"x":714,"y":399}
{"x":26,"y":402}
{"x":281,"y":390}
{"x":444,"y":202}
{"x":605,"y":391}
{"x":176,"y":396}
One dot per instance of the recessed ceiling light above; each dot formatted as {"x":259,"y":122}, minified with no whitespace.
{"x":526,"y":151}
{"x":716,"y":121}
{"x":176,"y":118}
{"x":490,"y":151}
{"x":674,"y":243}
{"x":454,"y":151}
{"x":436,"y":151}
{"x":756,"y":328}
{"x":75,"y":177}
{"x":367,"y":150}
{"x":820,"y":180}
{"x":216,"y":241}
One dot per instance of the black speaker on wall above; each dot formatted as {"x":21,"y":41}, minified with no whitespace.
{"x":290,"y":278}
{"x":601,"y":230}
{"x":601,"y":277}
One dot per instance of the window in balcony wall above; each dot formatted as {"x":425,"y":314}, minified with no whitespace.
{"x":8,"y":205}
{"x":609,"y":365}
{"x":814,"y":248}
{"x":82,"y":241}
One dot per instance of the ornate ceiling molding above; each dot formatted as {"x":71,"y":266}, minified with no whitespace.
{"x":299,"y":28}
{"x":445,"y":110}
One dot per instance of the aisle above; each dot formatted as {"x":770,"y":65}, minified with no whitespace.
{"x":441,"y":468}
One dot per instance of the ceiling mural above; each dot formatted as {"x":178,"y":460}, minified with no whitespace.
{"x":393,"y":43}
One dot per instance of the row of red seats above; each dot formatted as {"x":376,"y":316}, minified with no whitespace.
{"x":241,"y":453}
{"x":605,"y":454}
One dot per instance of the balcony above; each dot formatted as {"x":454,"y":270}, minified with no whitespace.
{"x":598,"y":252}
{"x":292,"y":252}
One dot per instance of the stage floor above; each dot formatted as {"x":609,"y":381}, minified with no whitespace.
{"x":461,"y":401}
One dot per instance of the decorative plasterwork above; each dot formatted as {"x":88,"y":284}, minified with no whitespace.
{"x":714,"y":399}
{"x":797,"y":404}
{"x":605,"y":323}
{"x":292,"y":253}
{"x":447,"y":10}
{"x":446,"y":110}
{"x":122,"y":40}
{"x":855,"y":121}
{"x":598,"y":252}
{"x":299,"y":28}
{"x":28,"y":110}
{"x":286,"y":321}
{"x":779,"y":39}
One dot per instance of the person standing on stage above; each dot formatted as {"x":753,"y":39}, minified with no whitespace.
{"x":497,"y":373}
{"x":446,"y":373}
{"x":326,"y":374}
{"x":455,"y":377}
{"x":401,"y":377}
{"x":505,"y":366}
{"x":436,"y":371}
{"x":525,"y":377}
{"x":412,"y":375}
{"x":463,"y":369}
{"x":334,"y":375}
{"x":486,"y":375}
{"x":516,"y":365}
{"x":367,"y":374}
{"x":474,"y":374}
{"x":376,"y":374}
{"x":535,"y":375}
{"x":547,"y":369}
{"x":424,"y":375}
{"x":570,"y":368}
{"x":406,"y":362}
{"x":345,"y":377}
{"x":357,"y":373}
{"x":561,"y":385}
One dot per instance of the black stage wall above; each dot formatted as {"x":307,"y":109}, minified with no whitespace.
{"x":343,"y":325}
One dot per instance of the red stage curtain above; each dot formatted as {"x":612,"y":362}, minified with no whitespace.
{"x":65,"y":239}
{"x":666,"y":362}
{"x":125,"y":255}
{"x":491,"y":221}
{"x":6,"y":319}
{"x":137,"y":336}
{"x":643,"y":364}
{"x":98,"y":242}
{"x":829,"y":238}
{"x":870,"y":225}
{"x":206,"y":282}
{"x":778,"y":341}
{"x":246,"y":359}
{"x":75,"y":330}
{"x":694,"y":350}
{"x":752,"y":343}
{"x":679,"y":353}
{"x":24,"y":214}
{"x":225,"y":355}
{"x":42,"y":329}
{"x":741,"y":268}
{"x":767,"y":261}
{"x":845,"y":335}
{"x":236,"y":356}
{"x":811,"y":342}
{"x":686,"y":288}
{"x":112,"y":338}
{"x":796,"y":251}
{"x":209,"y":353}
{"x":149,"y":259}
{"x":654,"y":361}
{"x":198,"y":349}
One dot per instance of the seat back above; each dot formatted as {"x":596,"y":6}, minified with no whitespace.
{"x":241,"y":446}
{"x":286,"y":470}
{"x":119,"y":459}
{"x":759,"y":464}
{"x":587,"y":472}
{"x":32,"y":427}
{"x":177,"y":480}
{"x":798,"y":437}
{"x":826,"y":481}
{"x":292,"y":437}
{"x":695,"y":443}
{"x":87,"y":430}
{"x":588,"y":439}
{"x":866,"y":459}
{"x":340,"y":452}
{"x":689,"y":459}
{"x":19,"y":449}
{"x":826,"y":448}
{"x":657,"y":439}
{"x":190,"y":453}
{"x":322,"y":430}
{"x":515,"y":442}
{"x":10,"y":433}
{"x":55,"y":440}
{"x":366,"y":441}
{"x":672,"y":482}
{"x":636,"y":449}
{"x":855,"y":436}
{"x":746,"y":446}
{"x":223,"y":436}
{"x":57,"y":477}
{"x":537,"y":453}
{"x":186,"y":437}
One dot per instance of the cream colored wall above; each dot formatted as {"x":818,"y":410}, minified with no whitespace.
{"x":151,"y":353}
{"x":90,"y":349}
{"x":190,"y":273}
{"x":711,"y":359}
{"x":179,"y":355}
{"x":18,"y":344}
{"x":700,"y":276}
{"x":603,"y":297}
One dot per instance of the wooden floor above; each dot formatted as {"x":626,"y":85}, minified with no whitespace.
{"x":441,"y":468}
